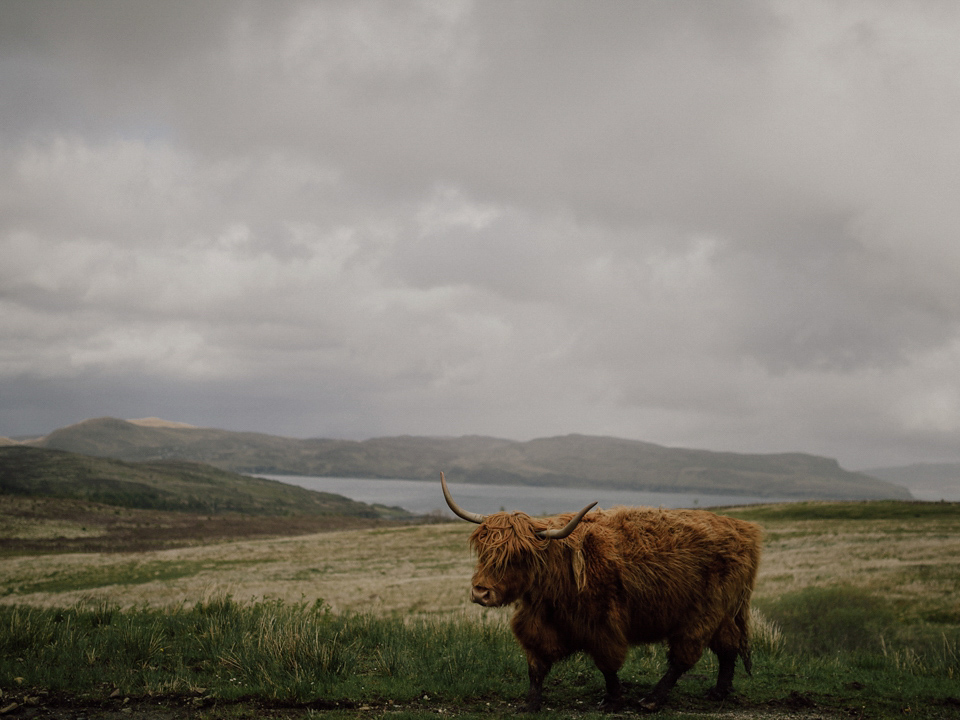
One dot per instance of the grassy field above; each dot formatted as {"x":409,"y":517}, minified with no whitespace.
{"x":859,"y":617}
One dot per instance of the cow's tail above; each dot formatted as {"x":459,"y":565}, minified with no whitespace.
{"x":742,"y":620}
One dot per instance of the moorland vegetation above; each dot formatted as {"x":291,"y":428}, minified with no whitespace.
{"x":56,"y":501}
{"x":857,"y":616}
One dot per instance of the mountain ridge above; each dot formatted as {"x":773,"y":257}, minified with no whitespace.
{"x":568,"y":461}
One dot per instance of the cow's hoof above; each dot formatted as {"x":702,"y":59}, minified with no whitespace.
{"x":650,"y":704}
{"x":718,"y":694}
{"x":609,"y":704}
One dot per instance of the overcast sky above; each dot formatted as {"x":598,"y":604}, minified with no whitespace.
{"x":723,"y":225}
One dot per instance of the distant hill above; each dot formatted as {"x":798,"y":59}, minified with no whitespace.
{"x":164,"y":485}
{"x":158,"y":422}
{"x":927,"y":481}
{"x":572,"y":460}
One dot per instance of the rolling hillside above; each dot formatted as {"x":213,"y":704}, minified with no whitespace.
{"x":573,"y":460}
{"x":169,"y":485}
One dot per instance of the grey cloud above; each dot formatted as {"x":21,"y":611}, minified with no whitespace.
{"x":726,"y":225}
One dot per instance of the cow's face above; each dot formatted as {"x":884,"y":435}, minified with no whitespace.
{"x":510,"y":550}
{"x":509,"y":554}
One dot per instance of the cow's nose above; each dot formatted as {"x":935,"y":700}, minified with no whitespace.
{"x":480,"y":594}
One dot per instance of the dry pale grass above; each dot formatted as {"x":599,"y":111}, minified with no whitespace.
{"x":913,"y":560}
{"x":42,"y":525}
{"x":20,"y":519}
{"x":426,"y":569}
{"x":420,"y":570}
{"x":24,"y":529}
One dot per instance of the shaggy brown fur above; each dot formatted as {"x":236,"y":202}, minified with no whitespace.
{"x":623,"y":577}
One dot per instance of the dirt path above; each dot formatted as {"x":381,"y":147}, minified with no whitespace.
{"x":117,"y":707}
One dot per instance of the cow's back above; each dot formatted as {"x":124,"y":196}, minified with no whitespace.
{"x":663,"y":569}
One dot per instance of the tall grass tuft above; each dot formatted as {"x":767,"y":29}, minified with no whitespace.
{"x":281,"y":651}
{"x":924,"y":653}
{"x":767,"y":636}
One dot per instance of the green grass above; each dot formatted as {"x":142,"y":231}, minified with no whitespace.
{"x":297,"y":652}
{"x":836,"y":649}
{"x":135,"y":572}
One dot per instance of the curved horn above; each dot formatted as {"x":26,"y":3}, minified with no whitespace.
{"x":555,"y":534}
{"x":457,"y":510}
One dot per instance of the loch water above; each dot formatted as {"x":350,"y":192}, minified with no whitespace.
{"x":422,"y":497}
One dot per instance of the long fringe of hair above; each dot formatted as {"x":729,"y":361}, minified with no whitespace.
{"x":504,"y":537}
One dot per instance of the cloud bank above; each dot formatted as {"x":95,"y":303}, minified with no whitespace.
{"x":730,"y":225}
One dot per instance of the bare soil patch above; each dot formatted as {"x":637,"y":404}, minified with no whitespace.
{"x":116,"y":707}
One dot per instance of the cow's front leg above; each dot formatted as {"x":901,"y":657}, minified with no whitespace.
{"x":658,"y":695}
{"x":537,"y":669}
{"x":609,"y":656}
{"x":543,"y":647}
{"x":681,"y":657}
{"x":613,"y":697}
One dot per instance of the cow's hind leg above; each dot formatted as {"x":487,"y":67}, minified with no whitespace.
{"x":726,"y":644}
{"x":728,"y":663}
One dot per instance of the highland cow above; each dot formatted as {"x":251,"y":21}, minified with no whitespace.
{"x":602,"y":582}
